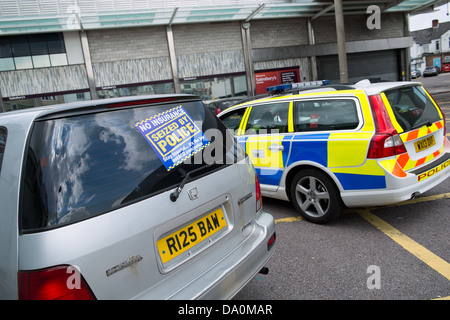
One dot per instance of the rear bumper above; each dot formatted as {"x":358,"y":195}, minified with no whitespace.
{"x":400,"y":189}
{"x":236,"y":269}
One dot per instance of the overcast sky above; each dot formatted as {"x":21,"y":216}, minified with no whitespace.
{"x":423,"y":21}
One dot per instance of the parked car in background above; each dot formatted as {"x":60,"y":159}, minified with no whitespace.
{"x":446,"y":67}
{"x":415,"y":73}
{"x":127,"y":198}
{"x":430,"y":71}
{"x":327,"y":147}
{"x":219,"y":105}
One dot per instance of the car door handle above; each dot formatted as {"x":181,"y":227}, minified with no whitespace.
{"x":276,"y":147}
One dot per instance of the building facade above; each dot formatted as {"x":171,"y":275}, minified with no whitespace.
{"x":431,"y":47}
{"x":64,"y":51}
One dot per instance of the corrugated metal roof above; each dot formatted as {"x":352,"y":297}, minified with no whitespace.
{"x":21,"y":16}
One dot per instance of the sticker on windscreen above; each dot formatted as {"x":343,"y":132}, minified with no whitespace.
{"x":173,"y":135}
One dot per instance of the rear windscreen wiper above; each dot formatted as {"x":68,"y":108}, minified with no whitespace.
{"x":176,"y":193}
{"x":428,"y":123}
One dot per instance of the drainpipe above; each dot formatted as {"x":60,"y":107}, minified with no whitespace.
{"x":172,"y":54}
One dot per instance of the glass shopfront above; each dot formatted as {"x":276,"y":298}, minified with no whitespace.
{"x":207,"y":88}
{"x":24,"y":102}
{"x":215,"y":87}
{"x":135,"y":89}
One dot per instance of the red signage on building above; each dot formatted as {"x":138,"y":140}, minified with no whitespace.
{"x":272,"y":78}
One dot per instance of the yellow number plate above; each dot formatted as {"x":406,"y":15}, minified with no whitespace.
{"x":184,"y":239}
{"x":424,"y":143}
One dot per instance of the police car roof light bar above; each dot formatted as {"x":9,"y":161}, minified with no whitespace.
{"x":298,"y":85}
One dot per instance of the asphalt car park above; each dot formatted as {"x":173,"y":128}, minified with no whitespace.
{"x":396,"y":252}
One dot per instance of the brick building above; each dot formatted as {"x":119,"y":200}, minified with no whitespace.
{"x":61,"y":51}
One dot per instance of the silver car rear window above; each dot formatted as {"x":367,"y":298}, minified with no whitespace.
{"x":84,"y":165}
{"x":412,"y":107}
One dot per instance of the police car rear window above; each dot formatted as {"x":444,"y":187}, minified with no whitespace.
{"x":325,"y":115}
{"x":85,"y":165}
{"x":412,"y":107}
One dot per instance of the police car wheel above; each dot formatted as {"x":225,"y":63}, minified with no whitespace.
{"x":315,"y":196}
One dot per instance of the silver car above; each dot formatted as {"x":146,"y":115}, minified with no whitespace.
{"x":430,"y":71}
{"x":147,"y":197}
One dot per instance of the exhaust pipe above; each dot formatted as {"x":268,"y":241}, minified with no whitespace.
{"x":415,"y":195}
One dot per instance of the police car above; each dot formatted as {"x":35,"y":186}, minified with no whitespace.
{"x":326,"y":147}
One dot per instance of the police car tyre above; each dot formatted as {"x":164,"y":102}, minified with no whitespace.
{"x":315,"y":196}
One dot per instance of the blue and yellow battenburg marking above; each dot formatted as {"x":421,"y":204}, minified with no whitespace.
{"x":330,"y":150}
{"x":347,"y":159}
{"x":173,"y":135}
{"x":266,"y":154}
{"x":343,"y":153}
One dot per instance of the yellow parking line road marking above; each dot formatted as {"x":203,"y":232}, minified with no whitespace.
{"x":423,"y":254}
{"x":404,"y":203}
{"x":442,"y":298}
{"x":289,"y":219}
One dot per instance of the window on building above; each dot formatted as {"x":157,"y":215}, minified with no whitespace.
{"x":32,"y":51}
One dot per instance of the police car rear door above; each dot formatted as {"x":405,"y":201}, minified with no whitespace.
{"x":420,"y":123}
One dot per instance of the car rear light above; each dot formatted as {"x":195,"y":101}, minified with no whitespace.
{"x":55,"y":283}
{"x":386,"y":142}
{"x":385,"y":145}
{"x":271,"y":241}
{"x":258,"y":193}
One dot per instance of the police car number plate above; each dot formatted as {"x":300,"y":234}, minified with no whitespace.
{"x":424,"y":143}
{"x":187,"y":237}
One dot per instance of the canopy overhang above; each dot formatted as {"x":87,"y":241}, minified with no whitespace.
{"x":92,"y":18}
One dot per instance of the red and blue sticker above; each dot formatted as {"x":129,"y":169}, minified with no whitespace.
{"x":173,"y":135}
